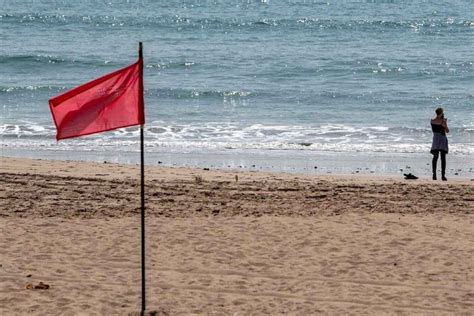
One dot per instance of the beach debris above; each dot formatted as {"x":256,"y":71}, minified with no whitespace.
{"x":315,"y":167}
{"x":159,"y":312}
{"x":236,"y":178}
{"x":206,"y":169}
{"x":198,"y":179}
{"x":409,"y":176}
{"x":39,"y":286}
{"x":29,"y":275}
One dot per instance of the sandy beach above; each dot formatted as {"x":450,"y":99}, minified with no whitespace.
{"x":232,"y":242}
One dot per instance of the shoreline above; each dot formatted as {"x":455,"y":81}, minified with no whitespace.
{"x":294,"y":162}
{"x":88,"y":168}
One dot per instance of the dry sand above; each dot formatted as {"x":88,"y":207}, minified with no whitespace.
{"x":265,"y":244}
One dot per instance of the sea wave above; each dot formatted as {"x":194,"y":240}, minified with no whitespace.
{"x":170,"y":64}
{"x":180,"y":93}
{"x":153,"y":145}
{"x":190,"y":22}
{"x":25,"y":60}
{"x":30,"y":88}
{"x":399,"y":69}
{"x":174,"y":93}
{"x":328,"y":137}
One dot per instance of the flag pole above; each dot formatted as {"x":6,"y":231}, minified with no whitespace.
{"x":142,"y":168}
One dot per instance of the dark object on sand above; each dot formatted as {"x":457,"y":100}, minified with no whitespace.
{"x":160,"y":312}
{"x":39,"y":286}
{"x":410,"y":176}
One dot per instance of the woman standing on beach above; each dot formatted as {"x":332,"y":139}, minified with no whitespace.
{"x":439,"y":126}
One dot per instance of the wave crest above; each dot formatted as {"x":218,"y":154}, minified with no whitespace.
{"x":177,"y":21}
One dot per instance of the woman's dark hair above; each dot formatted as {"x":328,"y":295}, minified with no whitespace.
{"x":439,"y":111}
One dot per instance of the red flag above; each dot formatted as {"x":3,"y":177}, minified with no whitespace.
{"x":106,"y":103}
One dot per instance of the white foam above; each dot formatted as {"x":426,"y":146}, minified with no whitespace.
{"x":328,"y":137}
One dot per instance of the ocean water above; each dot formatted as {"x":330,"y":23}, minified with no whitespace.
{"x":258,"y":77}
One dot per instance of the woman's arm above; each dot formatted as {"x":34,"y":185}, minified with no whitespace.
{"x":445,"y":125}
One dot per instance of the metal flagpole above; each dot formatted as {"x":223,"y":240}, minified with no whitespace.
{"x":142,"y":162}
